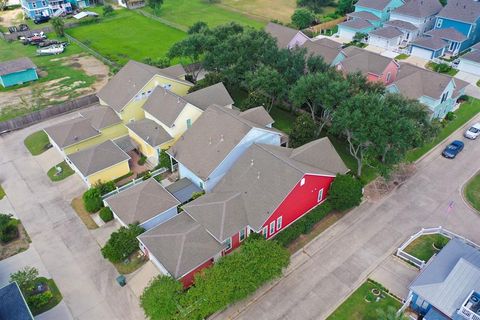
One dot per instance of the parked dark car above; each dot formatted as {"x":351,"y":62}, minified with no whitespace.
{"x":453,"y":149}
{"x":23,"y":27}
{"x":41,"y":19}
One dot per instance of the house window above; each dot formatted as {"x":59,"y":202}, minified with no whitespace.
{"x":34,"y":4}
{"x":167,"y":86}
{"x":407,"y":36}
{"x":44,"y":3}
{"x":444,"y":97}
{"x":302,"y":182}
{"x":452,"y":46}
{"x":189,"y":123}
{"x":389,"y":75}
{"x":439,"y":23}
{"x":279,"y":223}
{"x":241,"y":235}
{"x":265,"y":232}
{"x":320,"y":195}
{"x":272,"y":227}
{"x":201,"y":185}
{"x":228,"y":242}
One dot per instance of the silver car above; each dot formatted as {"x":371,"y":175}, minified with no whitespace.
{"x":473,"y":132}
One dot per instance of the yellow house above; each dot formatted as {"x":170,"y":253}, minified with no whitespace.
{"x":100,"y":163}
{"x":93,"y":126}
{"x":130,"y":88}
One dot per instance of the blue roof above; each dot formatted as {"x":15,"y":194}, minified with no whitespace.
{"x":12,"y":304}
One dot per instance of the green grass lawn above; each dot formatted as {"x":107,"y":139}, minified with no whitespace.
{"x":422,"y":247}
{"x":187,"y":12}
{"x":472,"y":192}
{"x":356,"y":308}
{"x":66,"y":172}
{"x":435,"y":67}
{"x":37,"y":142}
{"x":283,"y":119}
{"x":402,"y":56}
{"x":2,"y":193}
{"x":466,"y":112}
{"x":57,"y":296}
{"x":128,"y":35}
{"x":136,"y":260}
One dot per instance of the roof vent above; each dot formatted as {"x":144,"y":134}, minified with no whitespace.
{"x":178,"y":99}
{"x":75,"y":138}
{"x":148,"y":138}
{"x":210,"y":140}
{"x":251,"y":163}
{"x":258,"y":175}
{"x":221,"y":138}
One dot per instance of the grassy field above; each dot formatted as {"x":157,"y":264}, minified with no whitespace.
{"x":422,"y":247}
{"x":128,"y":35}
{"x":268,"y":10}
{"x":187,"y":12}
{"x":472,"y":192}
{"x":2,"y":193}
{"x":357,"y":308}
{"x":66,"y":172}
{"x":37,"y":142}
{"x":464,"y":114}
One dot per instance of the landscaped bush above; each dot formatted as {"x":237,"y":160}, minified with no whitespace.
{"x":231,"y":279}
{"x":450,"y":116}
{"x":345,"y":192}
{"x":106,"y":214}
{"x":40,"y":300}
{"x":164,"y":160}
{"x":105,"y":187}
{"x":8,"y":228}
{"x":122,"y":243}
{"x":303,"y":225}
{"x":197,"y":195}
{"x":92,"y":200}
{"x":142,"y":160}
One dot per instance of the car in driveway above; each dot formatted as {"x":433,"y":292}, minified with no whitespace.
{"x":473,"y":132}
{"x":453,"y":149}
{"x":41,"y":19}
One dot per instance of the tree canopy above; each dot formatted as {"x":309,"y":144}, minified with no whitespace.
{"x":303,"y":18}
{"x":122,"y":243}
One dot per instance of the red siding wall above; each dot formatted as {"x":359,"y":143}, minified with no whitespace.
{"x":187,"y":280}
{"x":300,"y":200}
{"x":235,"y":243}
{"x":393,"y":69}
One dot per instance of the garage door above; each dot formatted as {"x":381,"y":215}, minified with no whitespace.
{"x":346,"y":33}
{"x":422,"y":53}
{"x":469,"y":66}
{"x":377,"y":41}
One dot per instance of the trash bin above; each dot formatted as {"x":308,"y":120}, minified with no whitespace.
{"x":121,"y":280}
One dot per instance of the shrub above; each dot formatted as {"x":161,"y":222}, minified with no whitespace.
{"x":164,"y":159}
{"x":122,"y":243}
{"x":105,"y":187}
{"x":303,"y":18}
{"x":142,"y":160}
{"x":450,"y":116}
{"x":39,"y":300}
{"x":8,"y":228}
{"x":106,"y":214}
{"x":161,"y":298}
{"x":92,"y":200}
{"x":147,"y":175}
{"x":25,"y":278}
{"x":107,"y":10}
{"x":197,"y":195}
{"x":303,"y":130}
{"x":345,"y":192}
{"x":442,"y":68}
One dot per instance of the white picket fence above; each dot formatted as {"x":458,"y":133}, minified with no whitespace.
{"x":426,"y":231}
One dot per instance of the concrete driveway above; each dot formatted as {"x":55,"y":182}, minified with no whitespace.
{"x":331,"y":267}
{"x":68,"y":251}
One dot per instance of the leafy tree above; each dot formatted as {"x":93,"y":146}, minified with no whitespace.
{"x":3,"y":4}
{"x":122,"y":243}
{"x":191,"y":48}
{"x":316,"y":6}
{"x":358,"y":83}
{"x":303,"y":18}
{"x":58,"y":26}
{"x":303,"y":130}
{"x":92,"y":200}
{"x":106,"y":214}
{"x":210,"y":79}
{"x":198,"y":27}
{"x":315,"y":63}
{"x":345,"y":6}
{"x":161,"y":62}
{"x":107,"y":10}
{"x":345,"y":192}
{"x":269,"y":83}
{"x":161,"y":298}
{"x":290,"y":64}
{"x":359,"y":37}
{"x":155,"y":4}
{"x":8,"y":228}
{"x":25,"y":278}
{"x":164,"y":159}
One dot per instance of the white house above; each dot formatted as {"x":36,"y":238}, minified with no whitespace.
{"x":420,"y":13}
{"x":470,"y":62}
{"x":386,"y":37}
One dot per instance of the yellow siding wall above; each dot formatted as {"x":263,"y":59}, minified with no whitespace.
{"x":111,"y":173}
{"x":108,"y":133}
{"x":134,"y":111}
{"x":143,"y":147}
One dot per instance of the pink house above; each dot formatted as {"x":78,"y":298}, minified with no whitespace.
{"x":287,"y":38}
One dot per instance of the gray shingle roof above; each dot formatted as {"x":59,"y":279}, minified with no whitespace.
{"x":401,"y":25}
{"x":328,"y":43}
{"x":283,"y":34}
{"x":100,"y":117}
{"x":257,"y":115}
{"x":374,"y":4}
{"x":365,"y":15}
{"x":387,"y":32}
{"x":433,"y":43}
{"x":450,"y":277}
{"x":97,"y":158}
{"x":130,"y":80}
{"x":211,"y":138}
{"x":461,"y":10}
{"x":164,"y":105}
{"x":150,"y":131}
{"x":183,"y":189}
{"x":12,"y":66}
{"x":448,"y":33}
{"x":472,"y":56}
{"x":12,"y":304}
{"x":180,"y":244}
{"x":419,"y":8}
{"x":316,"y":48}
{"x":71,"y":132}
{"x":141,"y":202}
{"x":360,"y":60}
{"x":356,"y":24}
{"x":214,"y":94}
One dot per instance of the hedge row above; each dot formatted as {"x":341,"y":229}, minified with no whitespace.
{"x":92,"y":198}
{"x":303,"y":225}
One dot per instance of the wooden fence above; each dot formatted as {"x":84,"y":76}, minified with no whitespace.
{"x":326,"y":25}
{"x":50,"y":112}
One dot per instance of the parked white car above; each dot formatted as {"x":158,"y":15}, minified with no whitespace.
{"x":473,"y":132}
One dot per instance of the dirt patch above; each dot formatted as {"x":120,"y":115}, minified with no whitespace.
{"x":77,"y":205}
{"x":380,"y":187}
{"x":19,"y":245}
{"x":11,"y":17}
{"x":91,"y":66}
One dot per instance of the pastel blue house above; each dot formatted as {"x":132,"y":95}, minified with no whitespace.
{"x":45,"y":8}
{"x":438,"y":92}
{"x":17,"y":71}
{"x":80,"y":3}
{"x":449,"y":286}
{"x":368,"y":15}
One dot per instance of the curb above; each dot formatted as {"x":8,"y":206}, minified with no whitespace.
{"x":462,"y":193}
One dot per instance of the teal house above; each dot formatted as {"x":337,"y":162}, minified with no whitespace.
{"x":17,"y":71}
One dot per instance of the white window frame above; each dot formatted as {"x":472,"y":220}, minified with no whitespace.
{"x":438,"y":23}
{"x":189,"y":123}
{"x":229,"y":244}
{"x":320,"y":195}
{"x":242,"y":235}
{"x":265,"y":231}
{"x":302,"y":182}
{"x":389,"y":75}
{"x":279,"y":223}
{"x":272,"y":227}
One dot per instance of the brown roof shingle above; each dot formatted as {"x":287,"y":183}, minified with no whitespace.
{"x":419,"y":8}
{"x":316,"y":48}
{"x":283,"y":34}
{"x":447,"y":33}
{"x":360,"y":60}
{"x":387,"y":32}
{"x":214,"y":94}
{"x":150,"y":131}
{"x":461,"y":10}
{"x":12,"y":66}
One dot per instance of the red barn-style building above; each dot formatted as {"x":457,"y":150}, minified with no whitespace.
{"x":266,"y":190}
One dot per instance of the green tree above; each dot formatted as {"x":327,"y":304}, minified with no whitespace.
{"x":164,"y":159}
{"x":359,"y":37}
{"x":92,"y":200}
{"x":25,"y":278}
{"x":107,"y":10}
{"x":315,"y":63}
{"x":290,"y":64}
{"x":269,"y":83}
{"x":210,"y":79}
{"x":162,"y":62}
{"x":303,"y":130}
{"x":192,"y":48}
{"x":58,"y":26}
{"x":122,"y":243}
{"x":316,"y":6}
{"x":303,"y":18}
{"x":198,"y":27}
{"x":345,"y":192}
{"x":344,"y":7}
{"x":155,"y":5}
{"x":160,"y":300}
{"x":8,"y":228}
